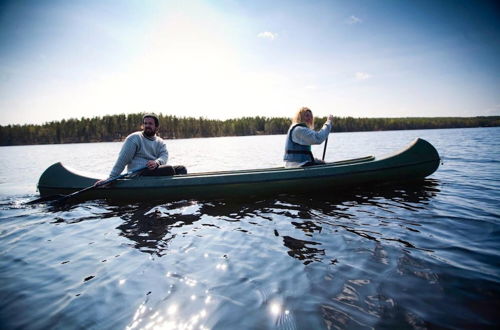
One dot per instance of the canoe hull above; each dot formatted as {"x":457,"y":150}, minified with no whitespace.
{"x":415,"y":162}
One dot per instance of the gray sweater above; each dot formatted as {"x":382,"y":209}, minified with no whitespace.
{"x":137,"y":150}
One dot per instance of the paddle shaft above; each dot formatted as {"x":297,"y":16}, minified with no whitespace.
{"x":105,"y":182}
{"x":324,"y":150}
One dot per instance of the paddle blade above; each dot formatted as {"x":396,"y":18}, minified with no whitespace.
{"x":45,"y":199}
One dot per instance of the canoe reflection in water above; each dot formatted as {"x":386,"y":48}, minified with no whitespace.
{"x":366,"y":213}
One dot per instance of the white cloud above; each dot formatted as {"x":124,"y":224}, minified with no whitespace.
{"x":362,"y":76}
{"x":268,"y":35}
{"x":354,"y":20}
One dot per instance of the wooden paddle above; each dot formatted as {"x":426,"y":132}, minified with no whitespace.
{"x":64,"y":198}
{"x":324,"y":150}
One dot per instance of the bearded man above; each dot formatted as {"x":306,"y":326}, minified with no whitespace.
{"x":145,"y":148}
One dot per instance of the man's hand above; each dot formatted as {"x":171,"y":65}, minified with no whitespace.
{"x":99,"y":182}
{"x":330,"y":118}
{"x":152,"y":164}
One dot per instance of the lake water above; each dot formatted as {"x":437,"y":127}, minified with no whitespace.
{"x":405,"y":256}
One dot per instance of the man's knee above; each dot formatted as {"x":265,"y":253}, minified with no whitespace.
{"x":180,"y":169}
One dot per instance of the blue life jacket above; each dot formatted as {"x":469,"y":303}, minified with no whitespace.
{"x":295,"y":152}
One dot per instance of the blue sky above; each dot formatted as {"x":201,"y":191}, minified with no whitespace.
{"x":228,"y":58}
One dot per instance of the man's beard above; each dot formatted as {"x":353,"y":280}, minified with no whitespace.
{"x":149,"y":132}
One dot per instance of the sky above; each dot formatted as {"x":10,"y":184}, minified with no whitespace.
{"x":231,"y":58}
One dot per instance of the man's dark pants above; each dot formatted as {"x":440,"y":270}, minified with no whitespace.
{"x":165,"y":170}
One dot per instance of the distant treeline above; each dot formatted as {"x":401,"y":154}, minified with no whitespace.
{"x":117,"y":127}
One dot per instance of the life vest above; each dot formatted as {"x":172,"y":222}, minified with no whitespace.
{"x":295,"y":152}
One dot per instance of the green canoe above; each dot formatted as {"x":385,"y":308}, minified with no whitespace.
{"x":415,"y":162}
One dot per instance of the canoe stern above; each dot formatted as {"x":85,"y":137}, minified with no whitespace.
{"x":58,"y":179}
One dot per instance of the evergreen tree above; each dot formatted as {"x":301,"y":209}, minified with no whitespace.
{"x":117,"y":127}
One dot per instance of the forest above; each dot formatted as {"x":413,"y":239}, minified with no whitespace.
{"x":117,"y":127}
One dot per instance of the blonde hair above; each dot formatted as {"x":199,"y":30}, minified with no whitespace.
{"x":300,"y":117}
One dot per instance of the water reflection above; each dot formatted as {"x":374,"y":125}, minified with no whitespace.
{"x":299,"y":249}
{"x":184,"y":311}
{"x":149,"y":226}
{"x":369,"y":214}
{"x":359,"y":304}
{"x":365,"y":213}
{"x":281,"y":317}
{"x":171,"y":318}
